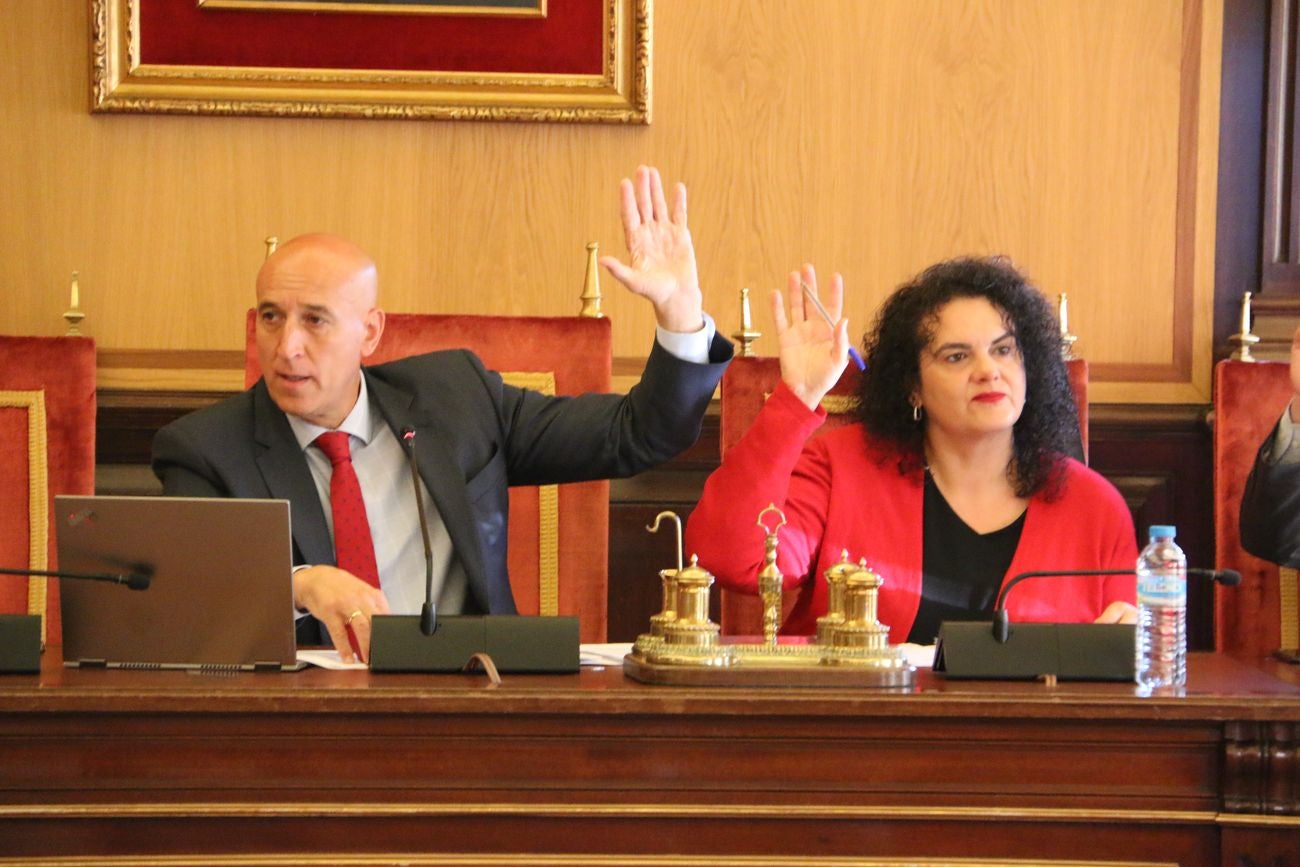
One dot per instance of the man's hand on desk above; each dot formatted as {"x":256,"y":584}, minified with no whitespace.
{"x":344,"y":603}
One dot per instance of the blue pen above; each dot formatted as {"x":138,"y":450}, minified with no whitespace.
{"x":812,"y":296}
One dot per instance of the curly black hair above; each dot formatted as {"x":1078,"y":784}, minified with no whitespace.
{"x":1048,"y":427}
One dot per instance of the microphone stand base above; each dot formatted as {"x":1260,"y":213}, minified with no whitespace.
{"x":516,"y":644}
{"x":1070,"y":651}
{"x":20,"y":643}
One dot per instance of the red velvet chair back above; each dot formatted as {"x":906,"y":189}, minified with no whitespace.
{"x":559,"y":534}
{"x":747,"y":384}
{"x":47,"y":447}
{"x":1258,"y":616}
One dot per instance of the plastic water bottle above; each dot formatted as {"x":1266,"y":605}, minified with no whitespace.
{"x":1162,"y":611}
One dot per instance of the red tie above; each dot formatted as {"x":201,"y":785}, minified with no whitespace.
{"x":354,"y":550}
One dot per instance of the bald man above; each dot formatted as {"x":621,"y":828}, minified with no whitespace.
{"x":318,"y":319}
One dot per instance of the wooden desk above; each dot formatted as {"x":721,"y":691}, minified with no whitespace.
{"x":320,"y":766}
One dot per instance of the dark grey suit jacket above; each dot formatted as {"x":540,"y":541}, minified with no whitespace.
{"x":1270,"y":507}
{"x":475,"y":436}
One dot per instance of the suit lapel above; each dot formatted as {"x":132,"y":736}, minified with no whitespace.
{"x":287,"y":477}
{"x":441,"y":475}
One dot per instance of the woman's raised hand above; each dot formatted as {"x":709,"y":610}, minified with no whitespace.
{"x":813,"y":353}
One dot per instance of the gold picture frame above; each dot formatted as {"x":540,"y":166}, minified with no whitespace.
{"x":392,"y":7}
{"x":125,"y":80}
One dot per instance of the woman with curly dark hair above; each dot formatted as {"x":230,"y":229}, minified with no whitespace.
{"x":956,"y":477}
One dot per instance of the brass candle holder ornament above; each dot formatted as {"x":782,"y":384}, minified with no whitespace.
{"x":684,"y":647}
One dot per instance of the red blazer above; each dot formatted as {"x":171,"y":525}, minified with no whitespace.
{"x":843,"y":491}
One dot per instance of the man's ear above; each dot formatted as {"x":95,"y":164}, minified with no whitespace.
{"x":374,"y":325}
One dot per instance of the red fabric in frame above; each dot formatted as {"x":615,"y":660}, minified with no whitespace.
{"x":15,"y":511}
{"x":568,"y":41}
{"x":578,"y":351}
{"x":64,"y":369}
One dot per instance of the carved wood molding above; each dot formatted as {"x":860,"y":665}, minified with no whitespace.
{"x":1261,"y":768}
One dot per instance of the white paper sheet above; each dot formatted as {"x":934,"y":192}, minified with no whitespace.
{"x":323,"y":658}
{"x":603,"y":654}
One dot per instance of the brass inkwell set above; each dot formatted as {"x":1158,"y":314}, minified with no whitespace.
{"x":684,"y":647}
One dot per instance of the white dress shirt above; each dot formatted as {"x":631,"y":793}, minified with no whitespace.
{"x":1285,"y":448}
{"x":385,"y":476}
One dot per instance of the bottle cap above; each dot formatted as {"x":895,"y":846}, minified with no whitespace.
{"x":1158,"y":531}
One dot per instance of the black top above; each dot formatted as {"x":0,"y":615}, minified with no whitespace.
{"x":961,"y":570}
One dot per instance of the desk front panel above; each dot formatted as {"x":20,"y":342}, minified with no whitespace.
{"x":595,"y":768}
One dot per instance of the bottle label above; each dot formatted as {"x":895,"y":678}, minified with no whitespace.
{"x":1162,"y":589}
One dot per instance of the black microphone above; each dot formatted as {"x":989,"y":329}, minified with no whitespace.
{"x":139,"y":578}
{"x":1002,"y":622}
{"x":20,"y":634}
{"x":428,"y":612}
{"x":1226,"y":577}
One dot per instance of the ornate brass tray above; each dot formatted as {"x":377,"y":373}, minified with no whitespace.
{"x":684,"y":647}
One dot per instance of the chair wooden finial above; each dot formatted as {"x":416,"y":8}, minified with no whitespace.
{"x":271,"y":243}
{"x":746,"y":335}
{"x":1243,"y":340}
{"x":591,"y":285}
{"x":1063,"y":315}
{"x":74,"y":314}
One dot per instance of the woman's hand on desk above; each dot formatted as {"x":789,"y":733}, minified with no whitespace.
{"x":1118,"y":612}
{"x":344,"y":603}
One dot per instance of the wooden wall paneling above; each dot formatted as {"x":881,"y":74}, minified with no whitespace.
{"x":635,"y":558}
{"x":1258,"y":247}
{"x":1280,"y":251}
{"x":1160,"y":458}
{"x":1241,"y":163}
{"x":128,"y":420}
{"x":635,"y":554}
{"x":872,"y":138}
{"x":1276,"y":277}
{"x":1257,"y":847}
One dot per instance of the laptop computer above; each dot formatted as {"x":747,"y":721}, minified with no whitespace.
{"x":220,"y":596}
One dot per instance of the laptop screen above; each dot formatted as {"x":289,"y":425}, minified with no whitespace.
{"x":220,"y":594}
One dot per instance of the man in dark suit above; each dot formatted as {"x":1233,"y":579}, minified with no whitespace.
{"x":317,"y":319}
{"x":1270,"y":504}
